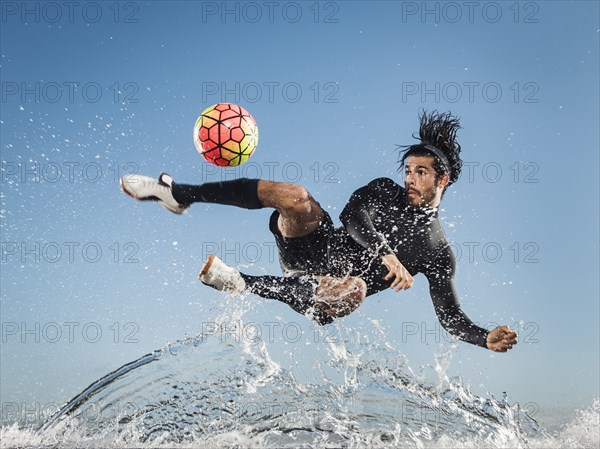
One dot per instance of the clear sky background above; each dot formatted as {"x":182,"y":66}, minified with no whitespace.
{"x":91,"y":279}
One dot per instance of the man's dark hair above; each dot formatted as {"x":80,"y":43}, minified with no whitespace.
{"x":437,"y":130}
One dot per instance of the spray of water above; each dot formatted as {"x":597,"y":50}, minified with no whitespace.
{"x":358,"y":391}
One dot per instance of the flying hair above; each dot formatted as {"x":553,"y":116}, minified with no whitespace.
{"x":437,"y":136}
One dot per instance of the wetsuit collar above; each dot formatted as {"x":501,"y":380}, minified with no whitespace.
{"x":429,"y":213}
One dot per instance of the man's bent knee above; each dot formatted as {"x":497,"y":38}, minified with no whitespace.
{"x":299,"y":213}
{"x":338,"y":297}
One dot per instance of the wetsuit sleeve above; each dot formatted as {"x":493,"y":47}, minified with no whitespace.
{"x":357,"y":216}
{"x":445,"y":301}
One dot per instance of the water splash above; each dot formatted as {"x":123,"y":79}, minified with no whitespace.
{"x":213,"y":392}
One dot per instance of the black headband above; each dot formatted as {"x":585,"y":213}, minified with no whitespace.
{"x":441,"y":156}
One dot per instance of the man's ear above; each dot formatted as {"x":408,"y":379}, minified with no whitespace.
{"x":443,"y":181}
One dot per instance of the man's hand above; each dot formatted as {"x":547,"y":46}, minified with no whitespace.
{"x":402,"y":279}
{"x":501,"y":339}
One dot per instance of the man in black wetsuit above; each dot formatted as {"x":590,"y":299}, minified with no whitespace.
{"x":389,"y":234}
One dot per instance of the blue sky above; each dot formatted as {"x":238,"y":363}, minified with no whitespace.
{"x":109,"y":88}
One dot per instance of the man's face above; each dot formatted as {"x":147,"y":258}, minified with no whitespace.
{"x":420,"y":184}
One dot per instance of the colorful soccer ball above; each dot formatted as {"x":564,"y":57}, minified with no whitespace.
{"x":225,"y":134}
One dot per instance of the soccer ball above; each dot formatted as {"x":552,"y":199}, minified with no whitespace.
{"x":225,"y":134}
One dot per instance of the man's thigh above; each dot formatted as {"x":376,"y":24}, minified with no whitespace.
{"x":308,"y":254}
{"x":299,"y":213}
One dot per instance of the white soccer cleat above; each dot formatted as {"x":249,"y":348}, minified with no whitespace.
{"x":222,"y":277}
{"x":145,"y":188}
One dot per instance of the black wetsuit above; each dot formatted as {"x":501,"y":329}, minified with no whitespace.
{"x":377,"y":220}
{"x":380,"y":221}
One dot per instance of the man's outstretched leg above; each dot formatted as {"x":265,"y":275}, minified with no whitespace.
{"x":299,"y":213}
{"x":322,"y":298}
{"x":178,"y":197}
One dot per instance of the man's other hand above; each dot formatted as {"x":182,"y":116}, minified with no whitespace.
{"x":501,"y":339}
{"x":401,"y":278}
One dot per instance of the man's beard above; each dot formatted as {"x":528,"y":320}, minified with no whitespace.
{"x":419,"y":199}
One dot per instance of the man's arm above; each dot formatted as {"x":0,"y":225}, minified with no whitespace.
{"x":356,"y":218}
{"x":450,"y":314}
